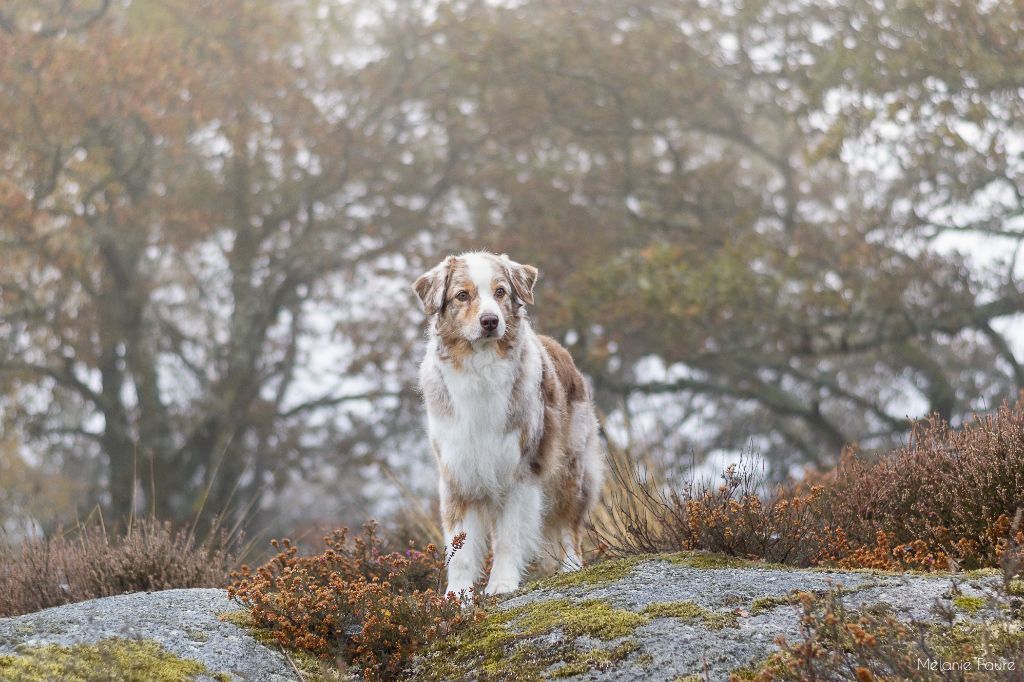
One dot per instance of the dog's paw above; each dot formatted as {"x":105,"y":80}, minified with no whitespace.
{"x":461,"y":590}
{"x":501,"y":587}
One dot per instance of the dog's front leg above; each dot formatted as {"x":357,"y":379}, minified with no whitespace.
{"x":517,"y":536}
{"x":465,"y":564}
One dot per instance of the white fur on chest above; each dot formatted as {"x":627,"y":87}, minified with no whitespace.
{"x":476,"y":448}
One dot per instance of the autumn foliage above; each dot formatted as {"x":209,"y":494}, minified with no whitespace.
{"x":354,"y":603}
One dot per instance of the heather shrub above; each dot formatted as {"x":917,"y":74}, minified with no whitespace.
{"x":949,"y":496}
{"x":87,"y":562}
{"x":354,"y":604}
{"x":948,"y":499}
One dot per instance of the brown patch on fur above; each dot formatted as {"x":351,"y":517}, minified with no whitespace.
{"x":547,"y":448}
{"x":574,"y":499}
{"x":453,"y":314}
{"x":556,"y":421}
{"x":432,"y":285}
{"x":453,"y":509}
{"x":571,"y":501}
{"x":564,"y":393}
{"x":521,"y":277}
{"x":568,"y":375}
{"x":548,"y":452}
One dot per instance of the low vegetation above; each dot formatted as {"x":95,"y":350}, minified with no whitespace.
{"x":89,"y":562}
{"x":950,"y":499}
{"x":354,"y":604}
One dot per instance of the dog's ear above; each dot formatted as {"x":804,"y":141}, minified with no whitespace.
{"x":431,"y":286}
{"x":522,"y":277}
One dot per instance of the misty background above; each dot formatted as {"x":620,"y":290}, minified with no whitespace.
{"x":772,"y":227}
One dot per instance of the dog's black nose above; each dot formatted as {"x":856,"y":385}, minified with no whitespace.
{"x":489,"y":321}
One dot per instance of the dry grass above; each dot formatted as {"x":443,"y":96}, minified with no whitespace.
{"x":87,"y":562}
{"x":647,"y":512}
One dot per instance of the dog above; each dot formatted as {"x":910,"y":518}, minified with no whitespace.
{"x":511,"y":424}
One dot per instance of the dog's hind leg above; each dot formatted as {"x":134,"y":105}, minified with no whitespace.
{"x":572,"y":557}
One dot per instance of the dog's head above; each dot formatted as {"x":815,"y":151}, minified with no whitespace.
{"x":475,"y":296}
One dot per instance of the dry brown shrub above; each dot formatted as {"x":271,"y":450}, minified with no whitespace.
{"x":354,"y":604}
{"x":87,"y":562}
{"x":948,"y":499}
{"x":950,"y":496}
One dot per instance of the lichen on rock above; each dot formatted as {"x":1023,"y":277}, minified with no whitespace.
{"x":969,"y":604}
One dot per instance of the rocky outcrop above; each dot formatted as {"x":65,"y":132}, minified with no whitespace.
{"x":654,"y":618}
{"x":676,"y":617}
{"x":171,"y":635}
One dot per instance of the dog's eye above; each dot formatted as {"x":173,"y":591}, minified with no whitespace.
{"x":499,"y":292}
{"x":462,"y":296}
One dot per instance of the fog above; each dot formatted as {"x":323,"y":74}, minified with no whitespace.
{"x":770,"y":228}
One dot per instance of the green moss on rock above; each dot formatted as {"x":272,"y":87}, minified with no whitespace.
{"x":683,"y":610}
{"x":765,"y":604}
{"x":592,"y":617}
{"x":108,"y":659}
{"x":607,"y":571}
{"x":596,"y":659}
{"x":500,"y":646}
{"x":969,"y":604}
{"x":708,"y":560}
{"x":688,"y":611}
